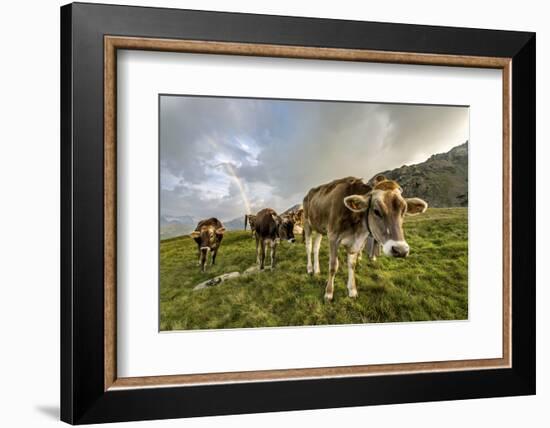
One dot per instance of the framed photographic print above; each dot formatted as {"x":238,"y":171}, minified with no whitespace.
{"x":265,"y":213}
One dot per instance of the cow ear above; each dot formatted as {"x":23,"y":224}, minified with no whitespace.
{"x":356,"y":203}
{"x":379,"y":178}
{"x":220,"y":231}
{"x":416,"y":206}
{"x":195,"y":234}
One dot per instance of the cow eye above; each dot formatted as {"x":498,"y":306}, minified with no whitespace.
{"x":377,"y":212}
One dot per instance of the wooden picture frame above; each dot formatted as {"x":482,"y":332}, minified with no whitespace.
{"x":91,"y":390}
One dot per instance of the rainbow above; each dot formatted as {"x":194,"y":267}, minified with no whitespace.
{"x":229,"y":168}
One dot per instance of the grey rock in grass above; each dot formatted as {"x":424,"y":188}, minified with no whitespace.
{"x":216,"y":280}
{"x":212,"y":282}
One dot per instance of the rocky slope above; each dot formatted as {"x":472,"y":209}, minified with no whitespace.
{"x":442,"y":180}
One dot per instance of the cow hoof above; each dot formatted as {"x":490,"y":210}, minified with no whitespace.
{"x":310,"y":270}
{"x":317,"y":272}
{"x":328,"y":297}
{"x":352,"y":294}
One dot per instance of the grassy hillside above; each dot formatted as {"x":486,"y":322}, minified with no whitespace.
{"x":431,"y":284}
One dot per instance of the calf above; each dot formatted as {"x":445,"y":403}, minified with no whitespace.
{"x":270,"y":229}
{"x":208,"y":235}
{"x":348,"y":211}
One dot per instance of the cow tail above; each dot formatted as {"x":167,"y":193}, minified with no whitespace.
{"x":245,"y":220}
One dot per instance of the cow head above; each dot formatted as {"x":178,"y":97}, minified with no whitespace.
{"x":208,"y":237}
{"x":384,"y":208}
{"x":285,"y":227}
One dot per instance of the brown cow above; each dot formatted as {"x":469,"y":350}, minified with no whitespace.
{"x":251,"y":220}
{"x":270,"y":229}
{"x":208,"y":235}
{"x":348,"y":210}
{"x":296,"y":215}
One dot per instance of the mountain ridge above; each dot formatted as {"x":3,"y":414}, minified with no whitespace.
{"x":441,"y":180}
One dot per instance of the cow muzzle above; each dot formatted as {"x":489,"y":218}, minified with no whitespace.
{"x":396,"y":248}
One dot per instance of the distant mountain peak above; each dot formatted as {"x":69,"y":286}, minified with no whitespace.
{"x":457,"y":151}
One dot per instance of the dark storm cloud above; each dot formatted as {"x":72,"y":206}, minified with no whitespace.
{"x":223,"y":156}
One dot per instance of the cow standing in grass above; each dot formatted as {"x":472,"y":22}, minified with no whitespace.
{"x":208,"y":235}
{"x":348,"y":211}
{"x":270,"y":229}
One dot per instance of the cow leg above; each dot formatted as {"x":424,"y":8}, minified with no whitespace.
{"x":273,"y":252}
{"x":362,"y":249}
{"x":332,"y":267}
{"x":214,"y":252}
{"x":352,"y":261}
{"x":257,"y":250}
{"x":262,"y":253}
{"x":316,"y":247}
{"x":307,"y":233}
{"x":199,"y":259}
{"x":204,"y":256}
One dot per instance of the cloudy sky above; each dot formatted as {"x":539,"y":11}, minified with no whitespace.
{"x":224,"y":157}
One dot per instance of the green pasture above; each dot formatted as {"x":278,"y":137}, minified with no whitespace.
{"x":430,"y":284}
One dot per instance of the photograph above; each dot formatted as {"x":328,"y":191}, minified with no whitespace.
{"x":283,"y":212}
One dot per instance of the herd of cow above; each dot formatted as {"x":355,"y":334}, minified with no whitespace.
{"x":350,"y":212}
